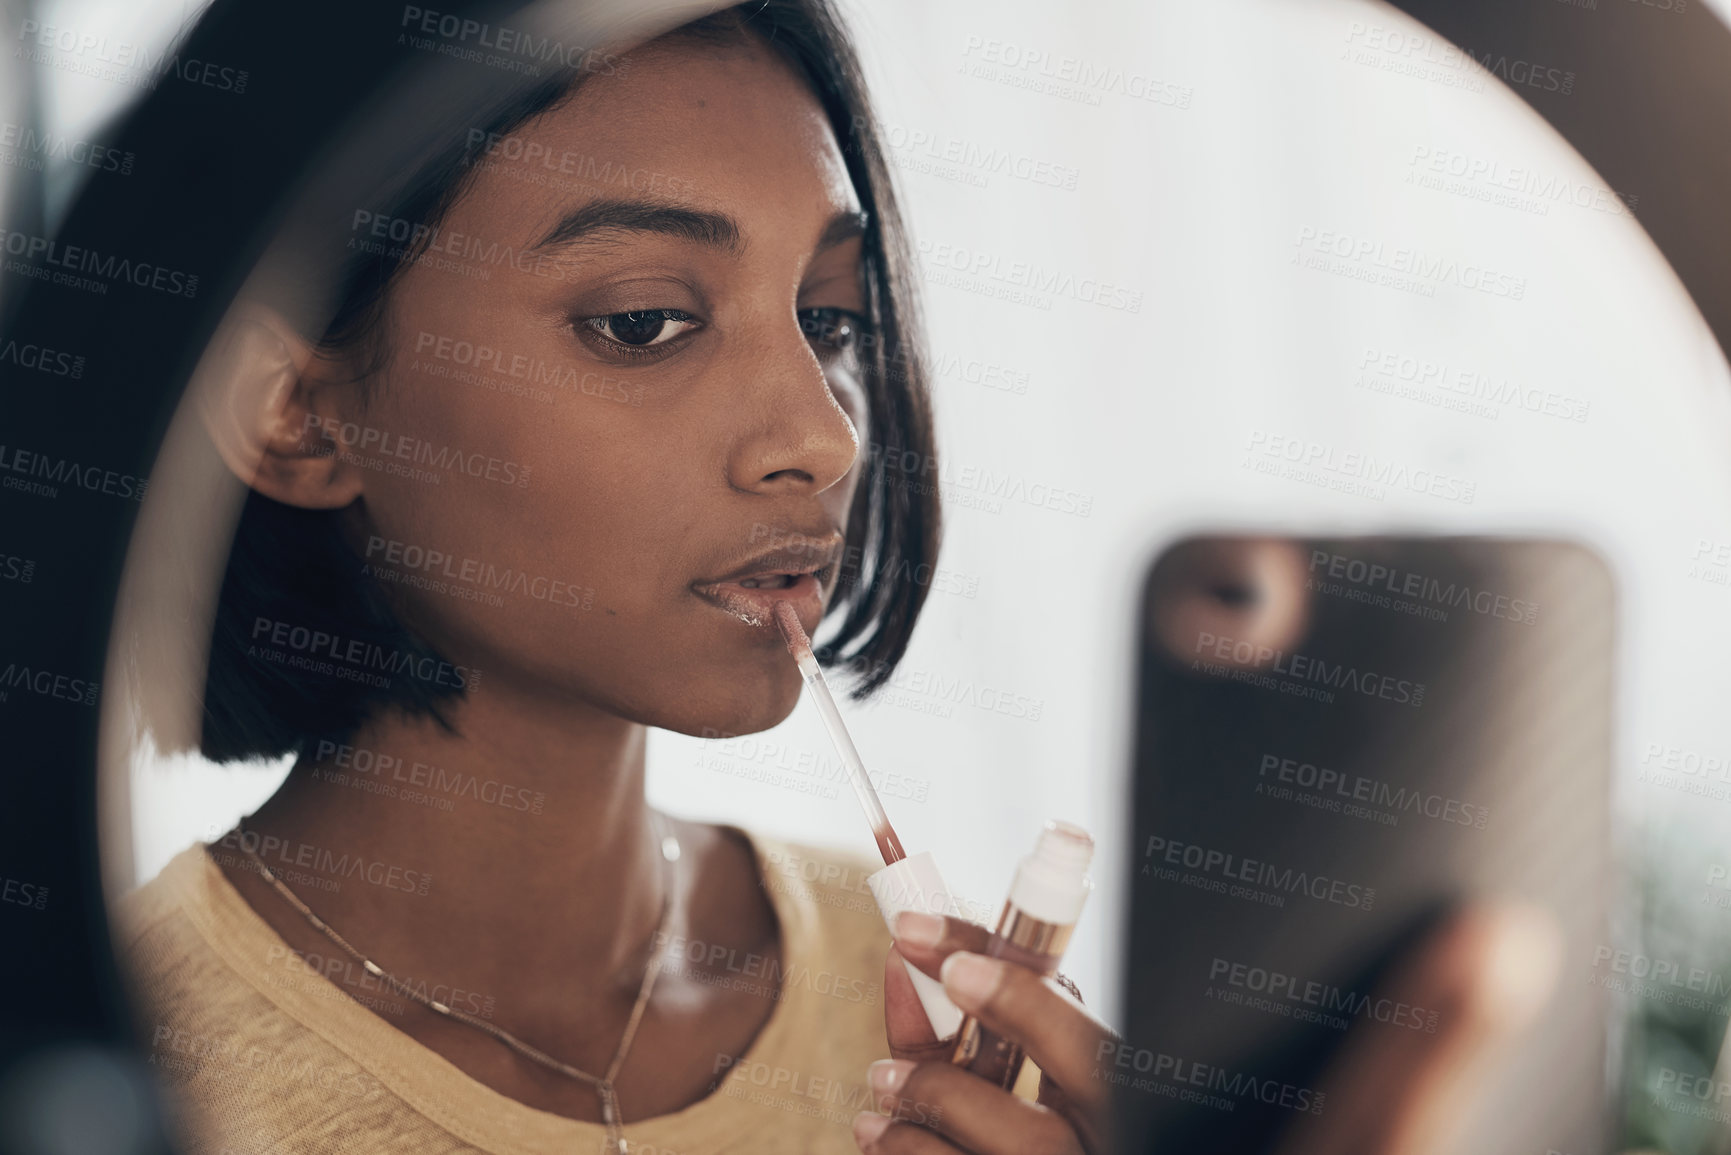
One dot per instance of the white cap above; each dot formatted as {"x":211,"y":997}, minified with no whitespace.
{"x":915,"y":884}
{"x":1052,"y":883}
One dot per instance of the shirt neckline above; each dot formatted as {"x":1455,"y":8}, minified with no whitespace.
{"x":437,"y":1088}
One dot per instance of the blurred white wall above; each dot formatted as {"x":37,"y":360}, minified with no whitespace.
{"x":1208,"y":149}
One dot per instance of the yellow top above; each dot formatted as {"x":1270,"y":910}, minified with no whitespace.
{"x":263,"y":1053}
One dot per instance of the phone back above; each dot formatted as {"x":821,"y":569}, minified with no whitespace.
{"x":1337,"y":741}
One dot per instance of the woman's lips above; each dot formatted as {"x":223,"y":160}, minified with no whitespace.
{"x":754,"y":604}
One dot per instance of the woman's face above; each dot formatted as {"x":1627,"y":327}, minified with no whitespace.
{"x":637,"y":302}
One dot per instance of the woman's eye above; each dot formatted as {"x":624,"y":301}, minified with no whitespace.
{"x":644,"y":328}
{"x":838,"y":329}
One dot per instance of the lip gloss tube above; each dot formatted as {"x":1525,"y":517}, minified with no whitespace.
{"x":1046,"y":898}
{"x":913,"y":883}
{"x":906,"y":882}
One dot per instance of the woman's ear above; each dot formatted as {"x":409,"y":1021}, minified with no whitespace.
{"x":269,"y":402}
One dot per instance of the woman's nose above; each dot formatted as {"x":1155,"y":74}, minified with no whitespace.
{"x":796,"y":436}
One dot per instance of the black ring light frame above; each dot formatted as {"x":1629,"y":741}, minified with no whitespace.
{"x":1650,"y":110}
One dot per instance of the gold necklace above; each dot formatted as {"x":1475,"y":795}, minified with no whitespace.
{"x":603,"y":1084}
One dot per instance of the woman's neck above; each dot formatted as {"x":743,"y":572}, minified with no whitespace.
{"x":515,"y":854}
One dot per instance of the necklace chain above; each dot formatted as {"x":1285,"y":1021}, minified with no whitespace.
{"x":603,"y":1084}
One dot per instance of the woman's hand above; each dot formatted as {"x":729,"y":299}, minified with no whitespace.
{"x":1488,"y":970}
{"x":932,"y":1107}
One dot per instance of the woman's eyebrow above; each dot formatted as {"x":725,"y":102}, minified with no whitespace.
{"x":711,"y":229}
{"x":844,"y":226}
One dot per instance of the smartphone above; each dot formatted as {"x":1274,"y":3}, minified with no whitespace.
{"x":1337,"y":741}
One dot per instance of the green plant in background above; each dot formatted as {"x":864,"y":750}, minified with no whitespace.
{"x":1675,"y":1099}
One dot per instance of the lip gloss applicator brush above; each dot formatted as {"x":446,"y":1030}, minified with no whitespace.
{"x":800,"y":647}
{"x":906,"y":882}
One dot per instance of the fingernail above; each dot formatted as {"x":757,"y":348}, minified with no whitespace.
{"x":887,"y":1075}
{"x":867,"y":1127}
{"x":917,"y":928}
{"x":1521,"y":970}
{"x":971,"y":979}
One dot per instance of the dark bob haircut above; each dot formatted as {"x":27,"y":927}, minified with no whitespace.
{"x":292,"y":577}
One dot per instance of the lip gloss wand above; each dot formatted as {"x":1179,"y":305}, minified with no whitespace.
{"x":906,"y":882}
{"x":800,"y":647}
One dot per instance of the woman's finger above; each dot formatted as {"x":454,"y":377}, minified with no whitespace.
{"x":926,"y":940}
{"x":1059,"y":1035}
{"x":906,"y":1026}
{"x":1488,"y":970}
{"x":880,"y":1135}
{"x":972,"y":1113}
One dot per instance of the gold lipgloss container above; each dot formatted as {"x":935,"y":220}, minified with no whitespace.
{"x":1046,"y":898}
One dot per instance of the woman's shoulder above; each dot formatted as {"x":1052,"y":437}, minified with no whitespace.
{"x":163,"y":934}
{"x":827,"y":883}
{"x":163,"y":907}
{"x":247,"y":1038}
{"x":834,"y":938}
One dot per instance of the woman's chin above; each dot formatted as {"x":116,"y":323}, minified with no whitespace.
{"x":738,"y":708}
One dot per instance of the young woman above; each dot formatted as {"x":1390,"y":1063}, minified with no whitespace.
{"x":599,"y":391}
